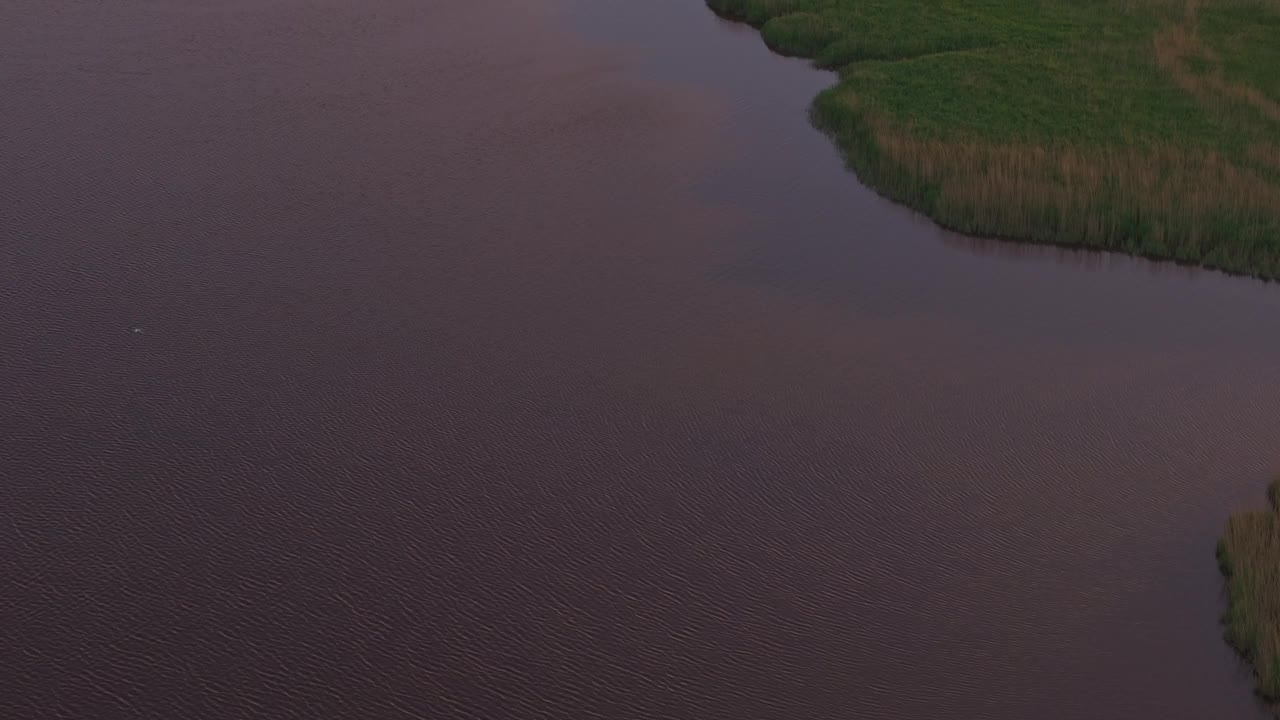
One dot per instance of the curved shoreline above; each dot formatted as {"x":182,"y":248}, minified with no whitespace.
{"x":1191,"y":207}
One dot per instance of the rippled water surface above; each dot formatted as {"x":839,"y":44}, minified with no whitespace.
{"x":503,"y":359}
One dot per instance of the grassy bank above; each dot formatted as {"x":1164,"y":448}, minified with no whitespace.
{"x":1144,"y":126}
{"x":1249,"y":555}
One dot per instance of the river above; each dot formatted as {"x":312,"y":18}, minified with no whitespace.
{"x":496,"y":359}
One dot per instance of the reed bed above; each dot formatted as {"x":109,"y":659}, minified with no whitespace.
{"x":1144,"y":126}
{"x":1249,"y":555}
{"x":1190,"y":205}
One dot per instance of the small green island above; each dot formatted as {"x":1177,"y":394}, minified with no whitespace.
{"x":1150,"y":127}
{"x":1249,"y":555}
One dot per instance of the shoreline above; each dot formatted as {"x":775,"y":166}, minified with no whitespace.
{"x":1142,"y":200}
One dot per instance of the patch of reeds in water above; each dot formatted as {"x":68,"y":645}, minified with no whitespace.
{"x":1192,"y":206}
{"x":1249,"y":555}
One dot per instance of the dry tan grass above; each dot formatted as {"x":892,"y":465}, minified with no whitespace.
{"x":1178,"y":44}
{"x":1164,"y":179}
{"x":1265,"y":155}
{"x":1168,"y":195}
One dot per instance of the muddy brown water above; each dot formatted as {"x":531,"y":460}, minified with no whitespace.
{"x":494,"y":359}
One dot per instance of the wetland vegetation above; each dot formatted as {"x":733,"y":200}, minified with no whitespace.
{"x":1249,"y":555}
{"x":1144,"y":126}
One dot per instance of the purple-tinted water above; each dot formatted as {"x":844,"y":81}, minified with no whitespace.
{"x":495,"y":359}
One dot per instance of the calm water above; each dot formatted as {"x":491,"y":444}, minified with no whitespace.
{"x":502,"y":359}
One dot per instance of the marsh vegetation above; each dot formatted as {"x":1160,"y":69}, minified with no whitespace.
{"x":1145,"y":126}
{"x":1249,"y":555}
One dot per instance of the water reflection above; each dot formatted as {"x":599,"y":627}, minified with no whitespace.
{"x":1075,"y":258}
{"x":524,"y":360}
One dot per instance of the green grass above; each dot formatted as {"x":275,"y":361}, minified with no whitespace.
{"x":1249,"y":555}
{"x":1145,"y":126}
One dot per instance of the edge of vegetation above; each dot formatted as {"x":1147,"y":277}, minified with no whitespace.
{"x":1214,"y":206}
{"x":1249,"y":557}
